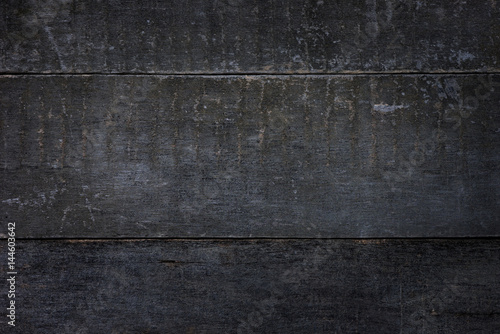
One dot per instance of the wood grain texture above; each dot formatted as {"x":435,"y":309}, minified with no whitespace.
{"x":274,"y":286}
{"x":238,"y":36}
{"x":292,"y":156}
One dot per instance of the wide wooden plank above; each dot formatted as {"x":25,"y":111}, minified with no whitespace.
{"x":201,"y":36}
{"x":274,"y":286}
{"x":334,"y":156}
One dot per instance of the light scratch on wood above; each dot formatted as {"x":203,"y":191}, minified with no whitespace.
{"x":262,"y":129}
{"x":327,"y":122}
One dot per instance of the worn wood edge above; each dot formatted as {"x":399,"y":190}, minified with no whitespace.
{"x":482,"y":71}
{"x":251,"y":74}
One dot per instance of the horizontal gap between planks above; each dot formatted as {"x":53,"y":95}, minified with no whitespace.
{"x":263,"y":74}
{"x":368,"y":239}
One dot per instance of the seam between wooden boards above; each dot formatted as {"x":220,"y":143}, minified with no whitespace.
{"x":263,"y":74}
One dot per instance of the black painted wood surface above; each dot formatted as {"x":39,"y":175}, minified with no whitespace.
{"x":279,"y":156}
{"x":259,"y":286}
{"x":237,"y":36}
{"x":213,"y":121}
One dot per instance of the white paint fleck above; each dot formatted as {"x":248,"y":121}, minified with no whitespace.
{"x":464,"y":56}
{"x":383,"y":107}
{"x":11,"y":201}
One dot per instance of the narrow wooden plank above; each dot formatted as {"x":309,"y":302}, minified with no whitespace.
{"x":275,"y":286}
{"x":238,"y":36}
{"x":335,"y":156}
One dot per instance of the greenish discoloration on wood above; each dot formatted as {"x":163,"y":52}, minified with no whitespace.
{"x":277,"y":36}
{"x":294,"y":156}
{"x":273,"y":286}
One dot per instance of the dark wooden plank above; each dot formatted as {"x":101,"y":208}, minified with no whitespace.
{"x":248,"y":36}
{"x":346,"y":156}
{"x":308,"y":286}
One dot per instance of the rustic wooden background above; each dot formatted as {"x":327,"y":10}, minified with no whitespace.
{"x":231,"y":166}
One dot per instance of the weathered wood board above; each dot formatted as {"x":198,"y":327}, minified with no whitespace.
{"x":235,"y":36}
{"x":277,"y":156}
{"x":275,"y":286}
